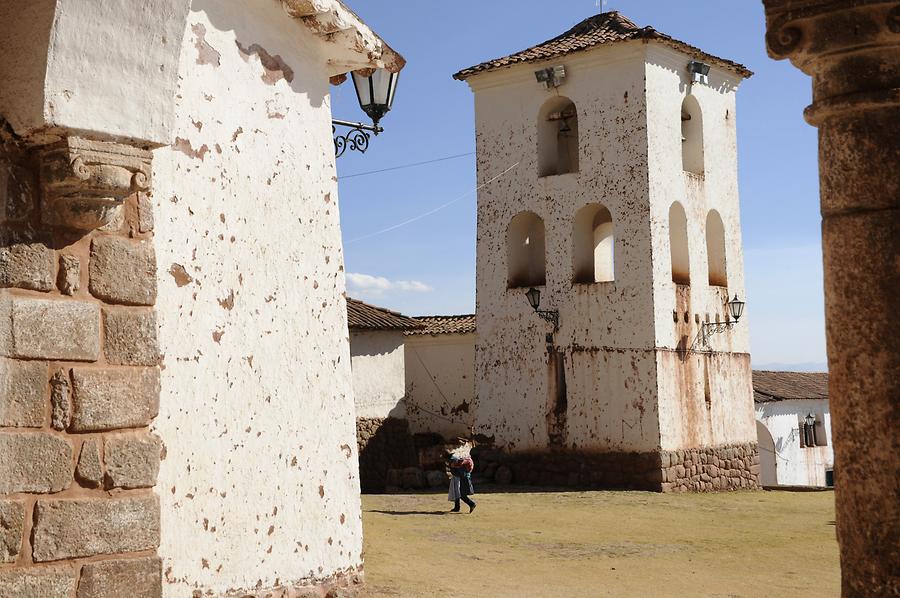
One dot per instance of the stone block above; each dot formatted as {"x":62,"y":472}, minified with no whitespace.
{"x":123,"y":271}
{"x":69,"y":278}
{"x":12,"y":526}
{"x":145,"y":213}
{"x":34,"y":462}
{"x":43,"y":329}
{"x":413,"y":478}
{"x":89,"y":470}
{"x":436,"y":479}
{"x":23,"y":386}
{"x":27,"y":266}
{"x":60,"y":400}
{"x":37,"y":582}
{"x":66,"y":529}
{"x":503,"y":476}
{"x":18,"y":191}
{"x":130,"y":337}
{"x":109,"y":398}
{"x":135,"y":578}
{"x":132,"y":461}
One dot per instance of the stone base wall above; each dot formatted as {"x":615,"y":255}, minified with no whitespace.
{"x":350,"y":584}
{"x":384,"y":444}
{"x":703,"y":469}
{"x":79,"y":375}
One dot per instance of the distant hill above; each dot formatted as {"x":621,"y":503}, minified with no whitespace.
{"x":810,"y":366}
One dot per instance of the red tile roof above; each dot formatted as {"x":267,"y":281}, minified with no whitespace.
{"x":781,"y":386}
{"x":362,"y":316}
{"x":604,"y":28}
{"x":445,"y":324}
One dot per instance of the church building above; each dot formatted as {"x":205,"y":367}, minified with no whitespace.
{"x":611,"y":350}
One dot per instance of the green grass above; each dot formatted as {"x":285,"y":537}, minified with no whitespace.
{"x":602,"y":544}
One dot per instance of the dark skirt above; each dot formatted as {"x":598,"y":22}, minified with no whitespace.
{"x":465,"y":486}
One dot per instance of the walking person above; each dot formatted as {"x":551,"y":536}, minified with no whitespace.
{"x":461,"y":466}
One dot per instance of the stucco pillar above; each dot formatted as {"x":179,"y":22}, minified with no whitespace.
{"x":852,"y":52}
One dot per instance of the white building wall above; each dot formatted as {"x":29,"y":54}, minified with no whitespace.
{"x":606,"y":329}
{"x":686,"y":418}
{"x":378,"y":364}
{"x":259,"y":487}
{"x":630,"y":383}
{"x":440,"y":379}
{"x":796,"y":466}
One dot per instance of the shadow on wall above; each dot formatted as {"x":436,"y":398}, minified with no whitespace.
{"x":254,"y":43}
{"x":383,"y":444}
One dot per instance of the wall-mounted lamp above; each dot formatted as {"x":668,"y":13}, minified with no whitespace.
{"x":551,"y":77}
{"x":375,"y":93}
{"x":699,"y":72}
{"x":735,"y":310}
{"x":534,"y":299}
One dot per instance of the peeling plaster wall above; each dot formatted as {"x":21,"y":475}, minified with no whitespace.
{"x":627,"y":388}
{"x":259,"y":488}
{"x":606,"y":329}
{"x":796,"y":466}
{"x":686,"y":419}
{"x":64,"y":78}
{"x":440,"y":378}
{"x":377,"y":362}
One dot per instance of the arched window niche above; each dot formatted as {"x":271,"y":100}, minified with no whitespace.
{"x":525,"y":251}
{"x":715,"y":250}
{"x":557,"y":132}
{"x":691,"y":136}
{"x":594,"y":245}
{"x":678,"y":245}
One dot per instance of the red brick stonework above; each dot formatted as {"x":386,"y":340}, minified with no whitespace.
{"x":79,"y":375}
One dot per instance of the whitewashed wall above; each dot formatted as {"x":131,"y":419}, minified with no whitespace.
{"x":605,"y":328}
{"x":378,"y":363}
{"x":440,"y":378}
{"x":685,"y":418}
{"x":256,"y":490}
{"x":795,"y":466}
{"x":627,"y":387}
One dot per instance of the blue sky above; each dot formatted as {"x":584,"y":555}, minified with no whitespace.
{"x":428,"y":267}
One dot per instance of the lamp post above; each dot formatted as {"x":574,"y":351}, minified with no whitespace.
{"x":534,"y":299}
{"x":375,"y":93}
{"x":735,"y":310}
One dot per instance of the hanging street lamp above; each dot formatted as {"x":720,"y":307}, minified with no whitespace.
{"x":375,"y":90}
{"x":735,"y":311}
{"x":534,"y":299}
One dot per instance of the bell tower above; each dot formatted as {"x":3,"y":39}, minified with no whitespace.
{"x":621,"y":213}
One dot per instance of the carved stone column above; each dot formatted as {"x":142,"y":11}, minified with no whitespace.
{"x":852,"y":52}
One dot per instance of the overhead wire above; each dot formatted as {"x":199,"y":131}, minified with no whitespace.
{"x":402,"y":166}
{"x":432,"y":211}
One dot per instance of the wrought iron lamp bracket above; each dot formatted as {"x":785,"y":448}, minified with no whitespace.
{"x":707,"y":330}
{"x":551,"y":316}
{"x":356,"y":139}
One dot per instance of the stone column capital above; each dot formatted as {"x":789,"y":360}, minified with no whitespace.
{"x":851,"y":49}
{"x":85,"y":181}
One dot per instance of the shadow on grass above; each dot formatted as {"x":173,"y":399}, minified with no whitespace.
{"x":408,"y":512}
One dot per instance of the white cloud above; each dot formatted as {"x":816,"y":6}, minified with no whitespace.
{"x":376,"y":286}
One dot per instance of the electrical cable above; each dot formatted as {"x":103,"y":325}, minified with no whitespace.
{"x":430,"y":212}
{"x":402,"y":166}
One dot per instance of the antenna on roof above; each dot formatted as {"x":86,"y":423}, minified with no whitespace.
{"x":601,"y":5}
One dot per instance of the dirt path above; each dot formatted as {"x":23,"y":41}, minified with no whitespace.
{"x":592,"y":544}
